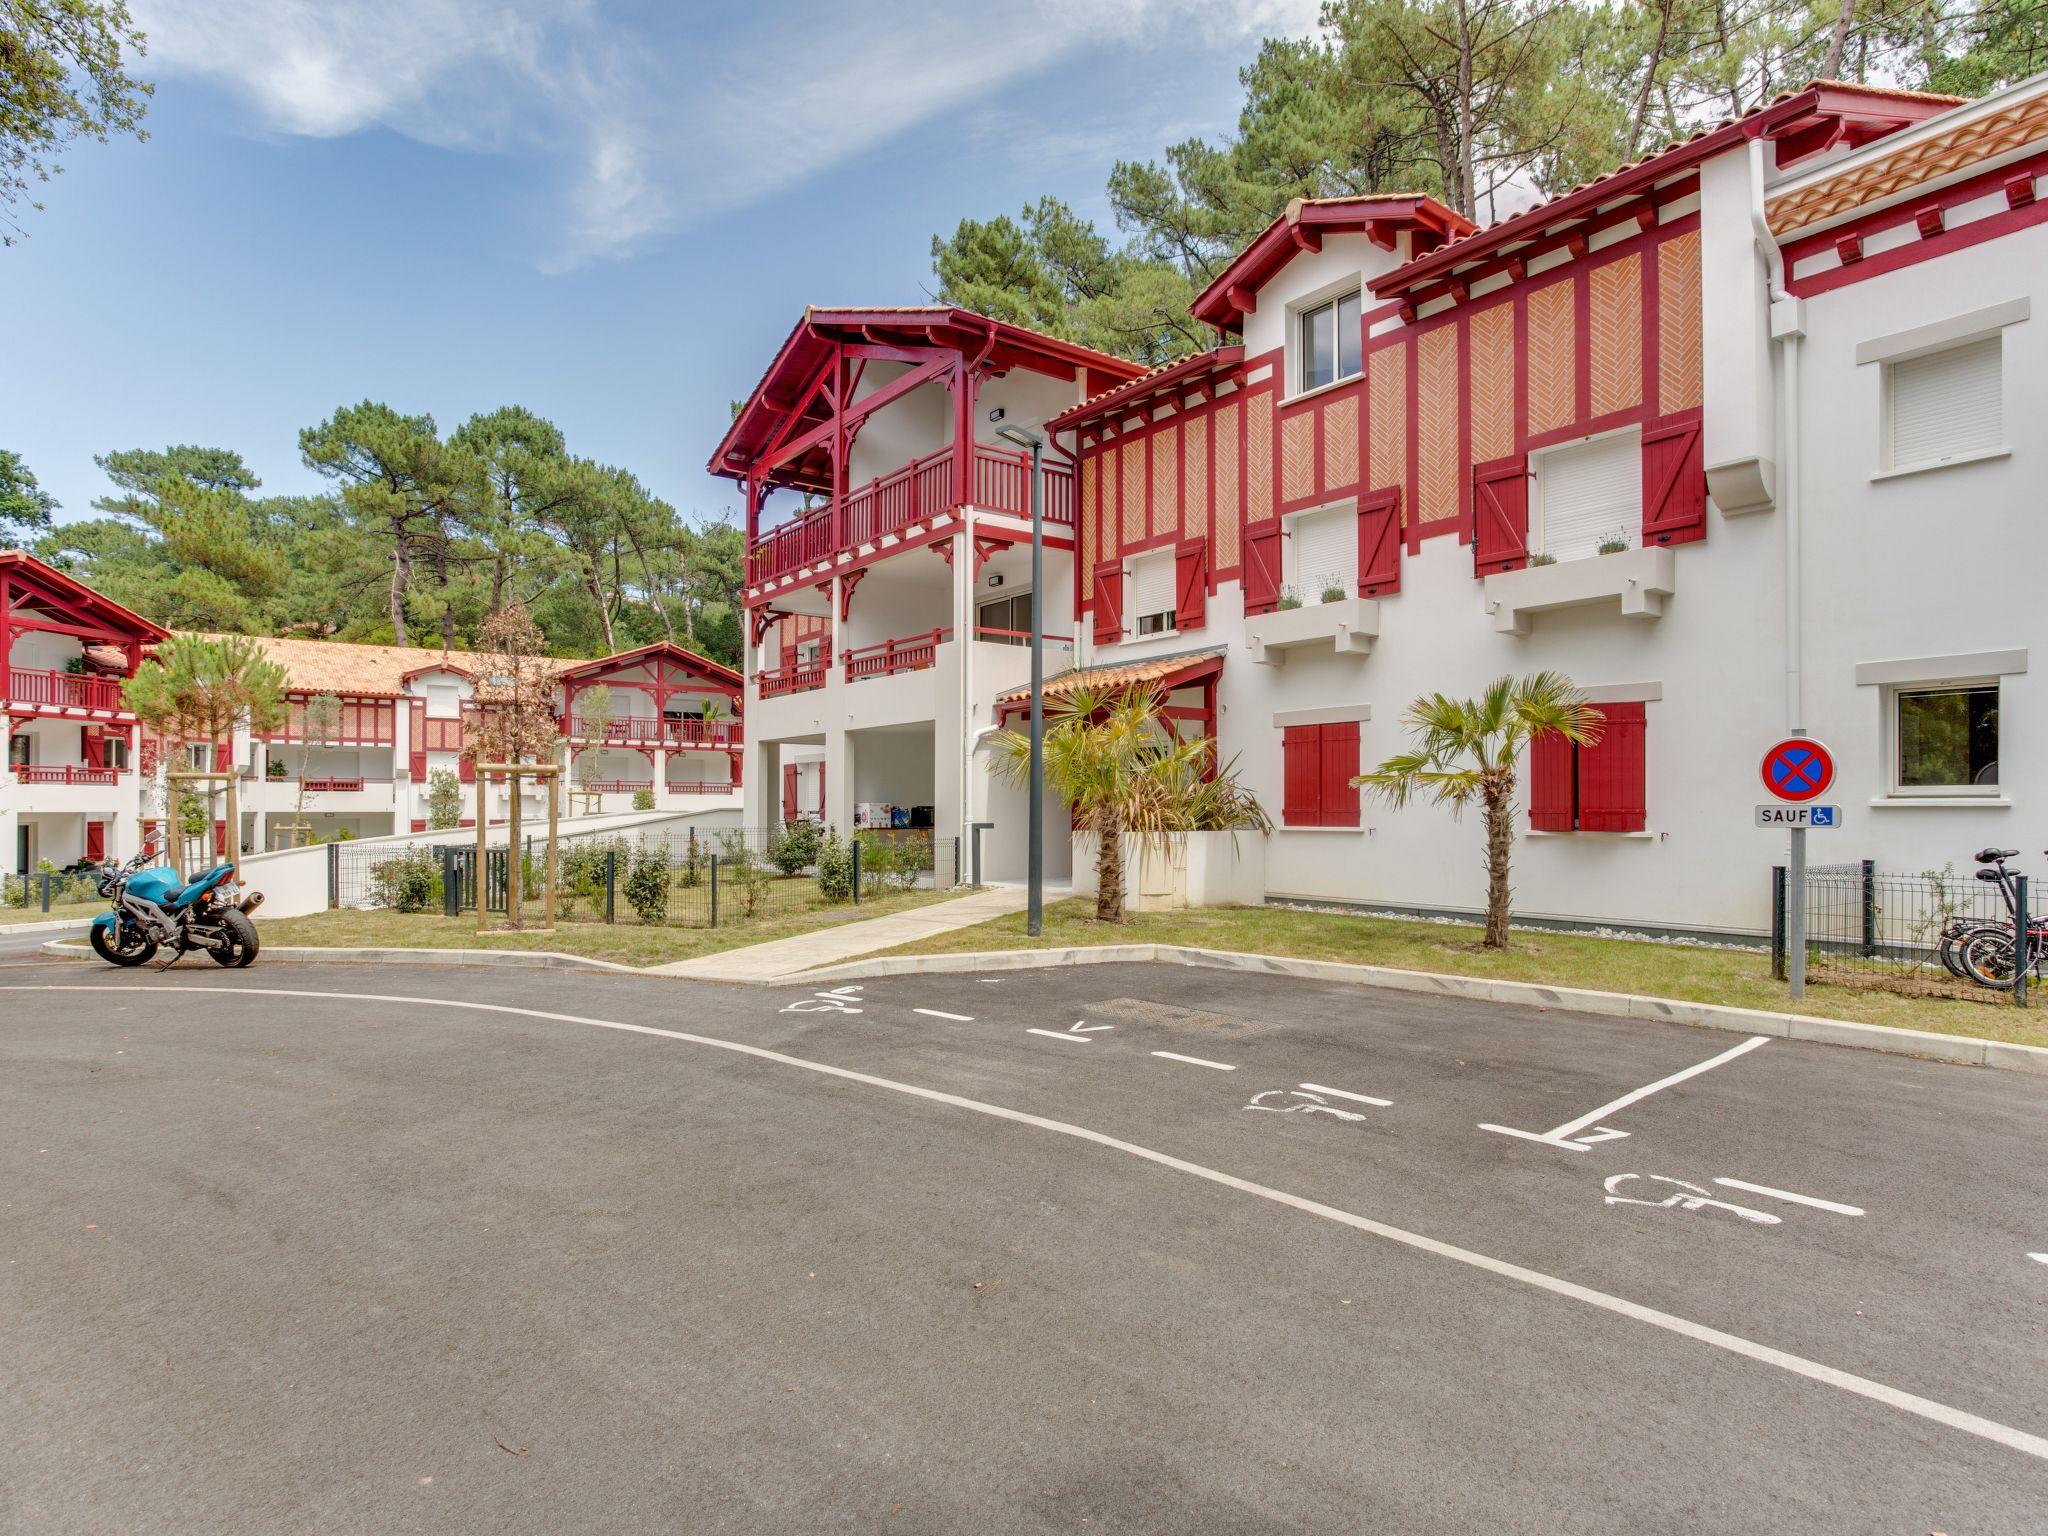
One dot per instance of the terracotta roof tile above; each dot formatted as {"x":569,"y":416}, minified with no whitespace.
{"x":1115,"y":675}
{"x":371,"y":671}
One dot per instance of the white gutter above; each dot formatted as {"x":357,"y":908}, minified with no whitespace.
{"x":1787,"y":327}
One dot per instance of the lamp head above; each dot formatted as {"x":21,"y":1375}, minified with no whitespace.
{"x":1029,"y":441}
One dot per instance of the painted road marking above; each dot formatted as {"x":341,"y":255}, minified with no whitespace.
{"x":1560,"y":1136}
{"x":1786,"y":1194}
{"x":2039,"y":1258}
{"x":1312,"y":1104}
{"x":1339,"y":1093}
{"x":1688,"y":1197}
{"x":1571,"y":1290}
{"x":1196,"y":1061}
{"x":822,"y":1002}
{"x":1059,"y":1034}
{"x":1083,"y":1027}
{"x":933,"y":1013}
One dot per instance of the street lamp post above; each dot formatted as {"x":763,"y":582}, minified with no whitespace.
{"x":1034,"y":912}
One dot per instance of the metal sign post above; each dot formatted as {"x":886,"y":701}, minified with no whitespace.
{"x":1797,"y":770}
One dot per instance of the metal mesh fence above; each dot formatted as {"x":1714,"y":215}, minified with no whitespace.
{"x":678,"y":876}
{"x":1894,"y":932}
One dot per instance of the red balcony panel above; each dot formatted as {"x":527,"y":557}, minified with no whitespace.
{"x":64,"y":690}
{"x":44,"y":773}
{"x":892,"y":656}
{"x":795,"y":679}
{"x":336,"y":786}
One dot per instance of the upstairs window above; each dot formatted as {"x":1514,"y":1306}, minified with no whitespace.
{"x":1151,"y":593}
{"x":1328,"y":343}
{"x":114,"y":752}
{"x":18,"y":751}
{"x":1588,"y":494}
{"x":1947,"y":739}
{"x":1006,"y":620}
{"x":1944,"y":406}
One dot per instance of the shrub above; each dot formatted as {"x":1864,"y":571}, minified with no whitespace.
{"x":647,"y":886}
{"x":13,"y":891}
{"x":742,"y":872}
{"x":643,"y":799}
{"x":444,"y":799}
{"x":890,"y":864}
{"x":693,"y":863}
{"x":409,"y":883}
{"x":794,"y":847}
{"x":835,"y":867}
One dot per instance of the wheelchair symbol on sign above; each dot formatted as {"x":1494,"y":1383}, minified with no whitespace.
{"x":838,"y":1000}
{"x":1686,"y":1197}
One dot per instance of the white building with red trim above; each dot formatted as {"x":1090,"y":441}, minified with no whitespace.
{"x":83,"y":777}
{"x":1737,"y":436}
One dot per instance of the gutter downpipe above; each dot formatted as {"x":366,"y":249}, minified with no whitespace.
{"x":1787,"y":328}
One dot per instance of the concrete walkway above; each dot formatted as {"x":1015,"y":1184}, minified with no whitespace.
{"x":780,"y":959}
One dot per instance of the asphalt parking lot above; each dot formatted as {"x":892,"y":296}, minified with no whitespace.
{"x":1120,"y":1248}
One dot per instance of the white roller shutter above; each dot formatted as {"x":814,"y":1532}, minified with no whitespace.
{"x":1152,"y":588}
{"x":1946,"y":404}
{"x":1325,"y":553}
{"x":1588,"y":493}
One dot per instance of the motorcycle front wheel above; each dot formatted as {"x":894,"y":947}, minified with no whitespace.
{"x":241,"y":941}
{"x":137,"y":951}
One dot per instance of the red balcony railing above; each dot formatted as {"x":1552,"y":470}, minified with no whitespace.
{"x":895,"y":501}
{"x":336,"y":786}
{"x":794,"y":679}
{"x":62,"y":690}
{"x":647,"y":730}
{"x":612,"y":786}
{"x":701,"y":787}
{"x":66,"y":774}
{"x":891,"y":656}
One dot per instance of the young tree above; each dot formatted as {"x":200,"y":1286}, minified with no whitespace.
{"x":63,"y":75}
{"x":1465,"y":751}
{"x":516,"y":723}
{"x":321,"y":723}
{"x":25,"y":507}
{"x":444,"y":799}
{"x":197,"y":688}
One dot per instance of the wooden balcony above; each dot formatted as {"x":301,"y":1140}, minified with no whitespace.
{"x":67,"y":773}
{"x":62,"y":690}
{"x":796,"y":679}
{"x":903,"y":499}
{"x":892,"y":656}
{"x":647,"y":731}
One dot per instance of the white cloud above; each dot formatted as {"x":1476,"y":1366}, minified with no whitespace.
{"x":649,"y":124}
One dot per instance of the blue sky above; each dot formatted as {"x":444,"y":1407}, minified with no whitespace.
{"x":610,"y":211}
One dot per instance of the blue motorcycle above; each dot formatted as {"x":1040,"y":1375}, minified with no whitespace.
{"x":154,"y":909}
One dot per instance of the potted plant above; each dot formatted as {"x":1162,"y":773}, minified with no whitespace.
{"x":1289,"y":598}
{"x":1614,"y":544}
{"x":1540,"y":558}
{"x":1333,"y":593}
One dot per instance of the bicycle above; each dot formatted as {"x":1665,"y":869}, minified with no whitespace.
{"x":1958,"y":931}
{"x":1988,"y":954}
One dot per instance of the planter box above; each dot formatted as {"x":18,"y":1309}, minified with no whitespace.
{"x":1638,"y":579}
{"x":1188,"y":869}
{"x":1348,"y":627}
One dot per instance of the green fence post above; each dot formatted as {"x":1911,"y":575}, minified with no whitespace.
{"x":611,"y":885}
{"x":714,"y":890}
{"x":46,"y":891}
{"x":451,"y":884}
{"x":2022,"y":943}
{"x":333,"y":875}
{"x":1777,"y":922}
{"x":1869,"y":908}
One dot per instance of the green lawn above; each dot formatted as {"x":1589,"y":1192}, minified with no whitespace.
{"x":59,"y":911}
{"x":1738,"y":978}
{"x":628,"y":942}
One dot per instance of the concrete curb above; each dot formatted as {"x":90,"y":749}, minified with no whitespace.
{"x":520,"y":959}
{"x":1967,"y":1050}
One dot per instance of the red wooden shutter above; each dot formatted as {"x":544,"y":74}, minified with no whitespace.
{"x":1191,"y":584}
{"x":1379,"y":544}
{"x":416,"y":739}
{"x":1301,"y":776}
{"x":1109,"y":602}
{"x":789,"y":792}
{"x":1262,"y":566}
{"x":1674,"y":481}
{"x":419,"y":824}
{"x":96,"y":841}
{"x":821,"y":791}
{"x":1611,"y":773}
{"x":1338,"y":762}
{"x":1552,"y":759}
{"x":1500,"y":512}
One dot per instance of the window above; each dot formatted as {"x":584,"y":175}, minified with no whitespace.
{"x":18,"y":751}
{"x":1318,"y":763}
{"x":1323,"y":554}
{"x":1588,"y":494}
{"x":199,"y":756}
{"x":1597,"y":788}
{"x":1944,"y":405}
{"x":807,"y":653}
{"x":1006,"y":620}
{"x":1328,"y":340}
{"x":1947,"y":739}
{"x":1151,"y":599}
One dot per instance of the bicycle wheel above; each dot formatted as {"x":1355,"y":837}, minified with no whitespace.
{"x":1953,"y":938}
{"x":1987,"y":958}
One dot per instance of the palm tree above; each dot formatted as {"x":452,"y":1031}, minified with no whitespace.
{"x":1113,"y":760}
{"x":1465,"y":751}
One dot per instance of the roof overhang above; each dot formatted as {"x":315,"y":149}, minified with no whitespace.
{"x":1800,"y":124}
{"x":1381,"y":217}
{"x":1164,"y":673}
{"x":1184,"y":381}
{"x":70,"y":592}
{"x":790,"y":387}
{"x":715,"y":671}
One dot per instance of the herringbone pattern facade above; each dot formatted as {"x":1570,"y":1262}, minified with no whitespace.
{"x":1091,"y":520}
{"x":1298,"y":455}
{"x":1552,"y":360}
{"x":1258,"y":453}
{"x":1340,"y":443}
{"x":1615,"y":335}
{"x":1228,"y":513}
{"x":1131,"y":470}
{"x":1387,"y":419}
{"x":1492,"y":342}
{"x":1166,"y":478}
{"x":1436,"y":424}
{"x":1195,"y":491}
{"x":1680,"y":381}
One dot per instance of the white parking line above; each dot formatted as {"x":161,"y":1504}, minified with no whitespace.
{"x":1560,"y":1135}
{"x":1057,"y":1034}
{"x":1812,"y":1370}
{"x":1196,"y":1061}
{"x":1339,"y":1093}
{"x":2039,"y":1258}
{"x":933,"y":1013}
{"x":1786,"y":1194}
